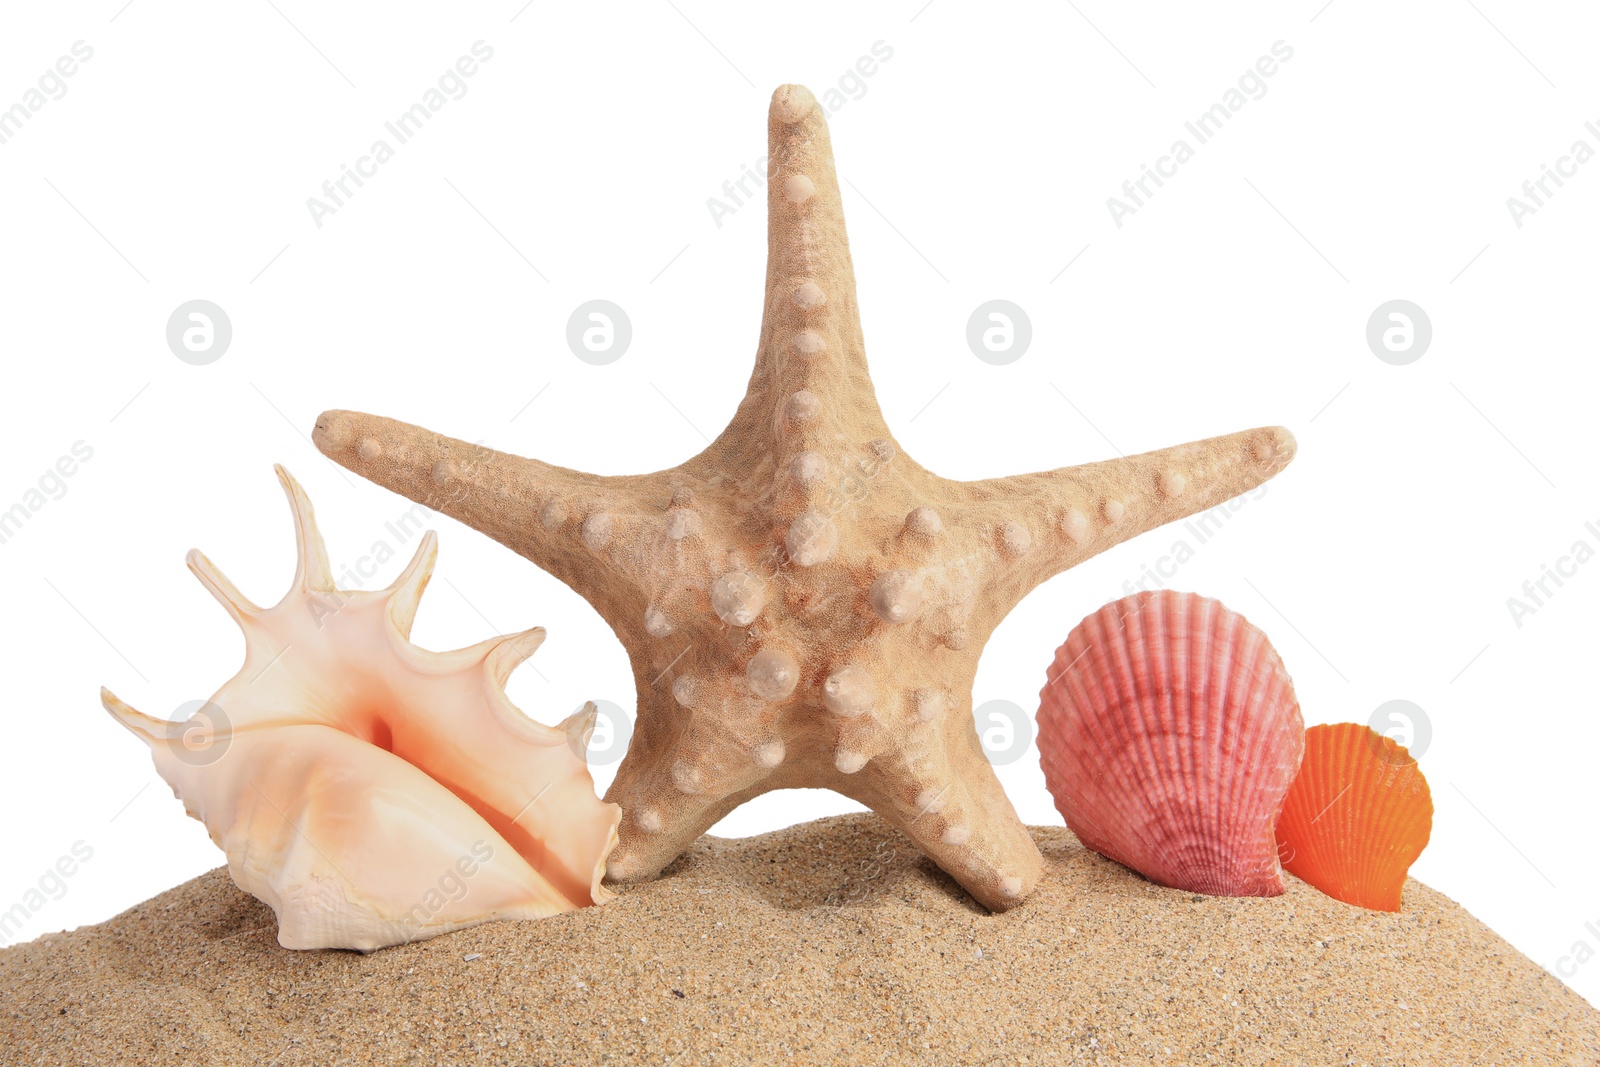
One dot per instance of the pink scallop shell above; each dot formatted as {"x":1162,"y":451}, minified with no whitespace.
{"x":1169,"y":734}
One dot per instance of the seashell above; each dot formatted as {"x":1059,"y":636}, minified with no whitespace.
{"x":1357,"y":816}
{"x":1169,"y":733}
{"x":369,"y":791}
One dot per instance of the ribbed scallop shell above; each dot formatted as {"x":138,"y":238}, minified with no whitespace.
{"x":1169,"y":733}
{"x":1357,"y":816}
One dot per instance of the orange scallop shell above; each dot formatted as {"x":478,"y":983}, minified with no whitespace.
{"x":1169,"y":733}
{"x":1357,"y":816}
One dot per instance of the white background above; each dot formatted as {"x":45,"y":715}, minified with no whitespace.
{"x":978,"y":159}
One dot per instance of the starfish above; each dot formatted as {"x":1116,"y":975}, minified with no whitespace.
{"x":802,"y":604}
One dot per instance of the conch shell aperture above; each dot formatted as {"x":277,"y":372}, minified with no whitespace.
{"x":372,"y":792}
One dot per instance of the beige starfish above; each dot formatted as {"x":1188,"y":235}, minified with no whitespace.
{"x":804,"y":605}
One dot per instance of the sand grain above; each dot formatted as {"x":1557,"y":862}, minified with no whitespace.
{"x":830,"y":942}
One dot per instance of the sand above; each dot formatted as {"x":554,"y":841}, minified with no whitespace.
{"x":829,"y":942}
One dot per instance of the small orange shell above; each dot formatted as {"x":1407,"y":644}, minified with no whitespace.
{"x":1168,"y":734}
{"x":1357,"y":816}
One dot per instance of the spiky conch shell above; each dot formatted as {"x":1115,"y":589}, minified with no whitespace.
{"x":1357,"y":816}
{"x":1169,"y":733}
{"x":371,"y":792}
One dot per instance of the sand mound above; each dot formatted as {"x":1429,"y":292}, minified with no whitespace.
{"x":831,"y":942}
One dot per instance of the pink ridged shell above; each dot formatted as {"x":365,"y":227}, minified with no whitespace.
{"x":1169,"y":734}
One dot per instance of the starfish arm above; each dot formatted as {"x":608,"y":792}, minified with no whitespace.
{"x":955,"y":810}
{"x":1044,"y":523}
{"x":661,"y":821}
{"x":697,"y":752}
{"x":564,"y":520}
{"x":810,"y":382}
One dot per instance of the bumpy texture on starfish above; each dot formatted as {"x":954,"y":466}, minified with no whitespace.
{"x":804,"y":605}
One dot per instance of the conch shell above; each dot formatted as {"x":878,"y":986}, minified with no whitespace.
{"x":371,"y":792}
